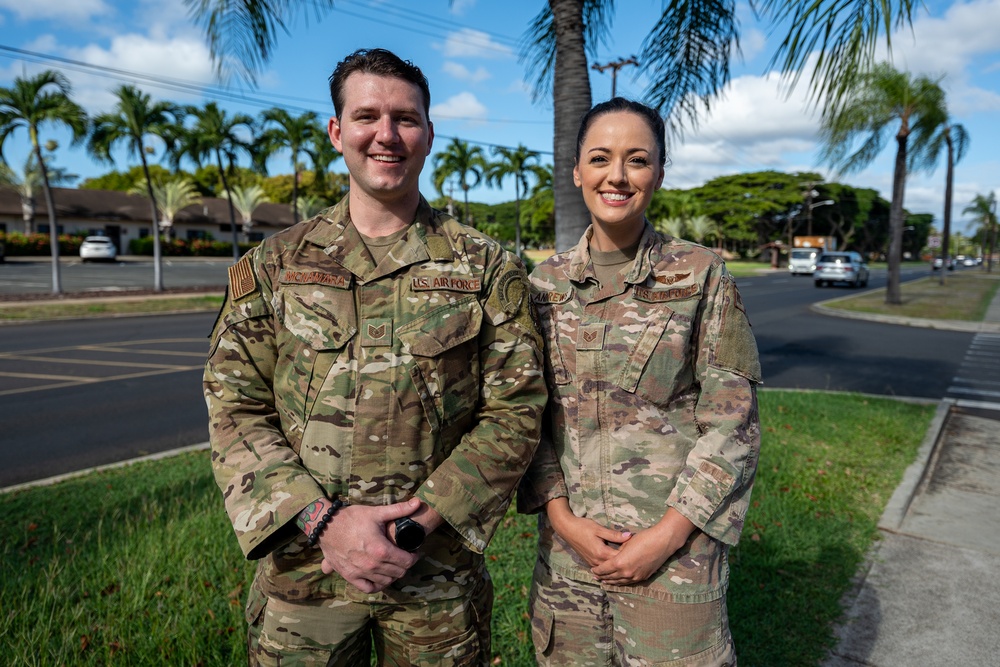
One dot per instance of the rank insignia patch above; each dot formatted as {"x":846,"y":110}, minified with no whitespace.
{"x":376,"y":332}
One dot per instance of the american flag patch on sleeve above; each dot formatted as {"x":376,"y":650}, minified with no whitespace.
{"x":241,"y":278}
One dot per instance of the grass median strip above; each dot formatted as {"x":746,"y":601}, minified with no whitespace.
{"x":964,"y":296}
{"x":138,"y":565}
{"x":70,"y":309}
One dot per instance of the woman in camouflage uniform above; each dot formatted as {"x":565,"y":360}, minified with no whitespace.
{"x":651,"y":437}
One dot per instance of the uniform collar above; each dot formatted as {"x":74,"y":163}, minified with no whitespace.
{"x":425,"y":240}
{"x":580,"y":263}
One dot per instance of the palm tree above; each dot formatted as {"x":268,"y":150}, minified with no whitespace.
{"x":686,"y":57}
{"x":26,"y":184}
{"x":882,"y":99}
{"x":955,"y":139}
{"x":135,"y":116}
{"x":216,"y":134}
{"x":323,"y":155}
{"x":516,"y":162}
{"x":701,"y":227}
{"x":171,"y":197}
{"x":29,"y":103}
{"x":282,"y":130}
{"x":461,"y":160}
{"x":310,"y":205}
{"x":984,"y":211}
{"x":672,"y":226}
{"x":246,"y":200}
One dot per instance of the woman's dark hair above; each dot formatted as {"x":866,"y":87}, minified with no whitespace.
{"x":380,"y":62}
{"x":619,"y":104}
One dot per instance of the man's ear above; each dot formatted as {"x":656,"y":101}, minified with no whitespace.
{"x":333,"y":131}
{"x":430,"y":136}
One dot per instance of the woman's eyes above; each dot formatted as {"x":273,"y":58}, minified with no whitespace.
{"x":635,"y":160}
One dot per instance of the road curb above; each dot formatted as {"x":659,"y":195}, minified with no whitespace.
{"x":915,"y":475}
{"x":49,"y":481}
{"x":944,"y":325}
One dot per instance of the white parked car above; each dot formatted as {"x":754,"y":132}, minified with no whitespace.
{"x":97,"y":247}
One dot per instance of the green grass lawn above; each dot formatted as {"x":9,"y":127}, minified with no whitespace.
{"x":964,"y":296}
{"x":139,"y":565}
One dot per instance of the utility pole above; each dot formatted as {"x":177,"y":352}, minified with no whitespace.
{"x":993,"y":232}
{"x":614,"y":67}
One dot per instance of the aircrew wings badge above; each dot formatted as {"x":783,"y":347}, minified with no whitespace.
{"x":241,"y":278}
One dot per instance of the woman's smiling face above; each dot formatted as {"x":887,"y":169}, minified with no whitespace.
{"x":618,"y":170}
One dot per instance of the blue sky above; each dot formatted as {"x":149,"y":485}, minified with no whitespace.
{"x":469,"y":51}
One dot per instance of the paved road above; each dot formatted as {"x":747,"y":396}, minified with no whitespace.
{"x":801,"y":349}
{"x":34,"y":275}
{"x":89,"y":392}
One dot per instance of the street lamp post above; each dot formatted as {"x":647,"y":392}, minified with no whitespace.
{"x":809,"y":213}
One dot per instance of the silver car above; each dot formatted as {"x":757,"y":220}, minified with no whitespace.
{"x":841,"y":267}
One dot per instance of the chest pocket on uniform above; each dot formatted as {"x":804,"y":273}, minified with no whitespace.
{"x":659,"y":365}
{"x":445,"y":369}
{"x":316,"y":323}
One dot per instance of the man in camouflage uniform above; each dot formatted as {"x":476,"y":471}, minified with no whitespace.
{"x":652,"y":418}
{"x":383,"y":356}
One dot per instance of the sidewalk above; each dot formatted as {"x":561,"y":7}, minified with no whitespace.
{"x":930,"y":592}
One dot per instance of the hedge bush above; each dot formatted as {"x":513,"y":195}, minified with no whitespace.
{"x":26,"y":245}
{"x":183,"y":248}
{"x":37,"y":245}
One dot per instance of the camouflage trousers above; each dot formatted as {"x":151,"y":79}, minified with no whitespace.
{"x":578,"y":624}
{"x":340,"y":633}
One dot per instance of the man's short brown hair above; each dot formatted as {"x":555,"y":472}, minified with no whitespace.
{"x":380,"y":62}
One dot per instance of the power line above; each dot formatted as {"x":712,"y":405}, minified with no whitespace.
{"x":215,"y":92}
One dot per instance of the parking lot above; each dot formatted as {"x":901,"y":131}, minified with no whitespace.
{"x":43,"y":369}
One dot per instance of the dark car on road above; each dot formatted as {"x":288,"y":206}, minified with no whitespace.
{"x":841,"y":267}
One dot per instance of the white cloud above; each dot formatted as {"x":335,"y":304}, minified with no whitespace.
{"x":462,"y":73}
{"x":965,"y":33}
{"x":61,"y":10}
{"x":463,"y":106}
{"x":459,"y":7}
{"x":752,"y":43}
{"x":183,"y":58}
{"x":469,"y":43}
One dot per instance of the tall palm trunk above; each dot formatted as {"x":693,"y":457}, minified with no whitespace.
{"x":517,"y":215}
{"x":465,"y":213}
{"x":945,"y":250}
{"x":893,"y":295}
{"x":50,"y":203}
{"x":232,"y":211}
{"x":571,"y":100}
{"x":157,"y":255}
{"x":295,"y":190}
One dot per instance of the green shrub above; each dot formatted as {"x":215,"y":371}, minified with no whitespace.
{"x":38,"y":245}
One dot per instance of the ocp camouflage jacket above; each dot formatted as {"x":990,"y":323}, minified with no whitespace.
{"x":652,"y":405}
{"x":330,"y":376}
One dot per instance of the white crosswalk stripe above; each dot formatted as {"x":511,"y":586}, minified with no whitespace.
{"x":978,"y":378}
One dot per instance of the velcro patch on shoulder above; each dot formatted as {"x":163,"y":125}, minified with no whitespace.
{"x":660,"y":295}
{"x":511,"y":289}
{"x":242,"y":280}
